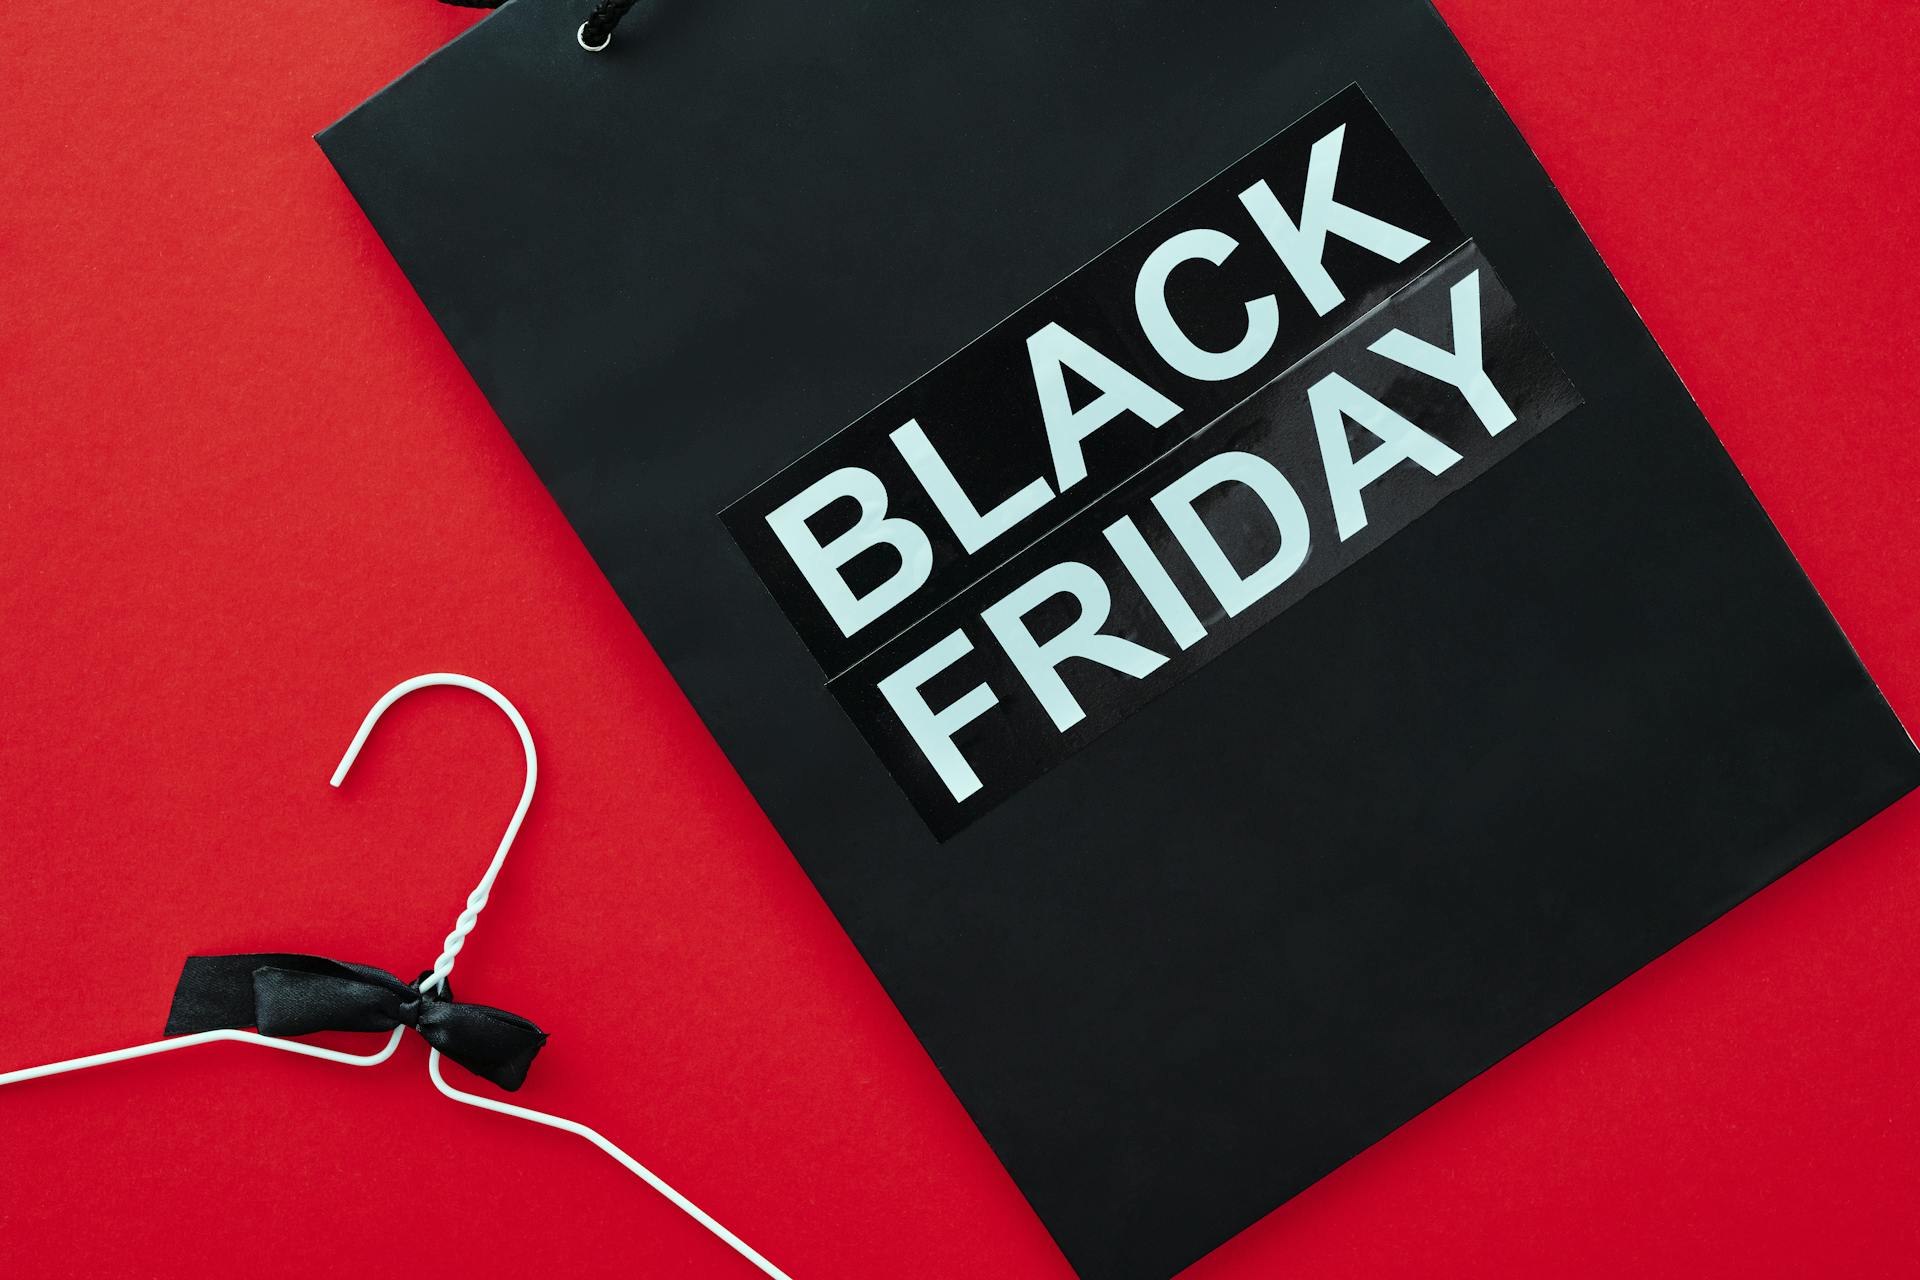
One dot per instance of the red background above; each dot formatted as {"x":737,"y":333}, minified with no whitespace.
{"x":245,"y":486}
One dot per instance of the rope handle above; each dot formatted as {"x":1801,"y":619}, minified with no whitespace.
{"x":594,"y":35}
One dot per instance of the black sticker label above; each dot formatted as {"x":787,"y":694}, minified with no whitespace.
{"x":1149,"y":461}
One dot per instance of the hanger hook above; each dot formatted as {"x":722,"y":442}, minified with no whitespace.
{"x":477,"y":900}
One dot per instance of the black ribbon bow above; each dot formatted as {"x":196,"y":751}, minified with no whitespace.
{"x":294,"y":995}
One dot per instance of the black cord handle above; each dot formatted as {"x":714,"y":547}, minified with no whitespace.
{"x":594,"y":35}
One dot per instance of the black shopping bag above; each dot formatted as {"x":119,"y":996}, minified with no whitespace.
{"x":1172,"y":520}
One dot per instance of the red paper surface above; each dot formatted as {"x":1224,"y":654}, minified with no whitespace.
{"x":245,"y":486}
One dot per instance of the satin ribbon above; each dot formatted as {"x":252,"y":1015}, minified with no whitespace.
{"x":295,"y":995}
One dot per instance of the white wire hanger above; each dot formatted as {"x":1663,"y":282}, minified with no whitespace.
{"x":463,"y":925}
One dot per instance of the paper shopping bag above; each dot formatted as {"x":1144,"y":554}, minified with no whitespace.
{"x":1172,"y":520}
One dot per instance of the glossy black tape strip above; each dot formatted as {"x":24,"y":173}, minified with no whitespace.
{"x":978,"y":415}
{"x":1207,"y":544}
